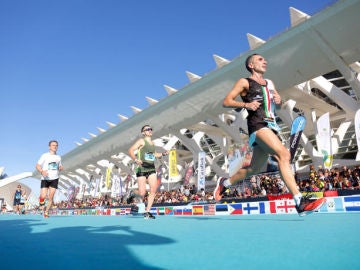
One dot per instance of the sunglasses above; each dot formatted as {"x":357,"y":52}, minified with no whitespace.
{"x":148,"y":129}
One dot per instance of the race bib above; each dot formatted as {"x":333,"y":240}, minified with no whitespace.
{"x":149,"y":156}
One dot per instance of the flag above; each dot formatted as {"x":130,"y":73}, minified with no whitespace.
{"x":352,"y":203}
{"x":97,"y":184}
{"x":115,"y":187}
{"x":209,"y":209}
{"x":333,"y":204}
{"x":221,"y":209}
{"x":235,"y":209}
{"x":197,"y":210}
{"x":187,"y":211}
{"x":251,"y":208}
{"x":285,"y":206}
{"x":108,"y":177}
{"x":323,"y":140}
{"x":161,"y":210}
{"x":201,"y":171}
{"x":357,"y":132}
{"x":188,"y":173}
{"x":173,"y":171}
{"x":169,"y":210}
{"x":267,"y":207}
{"x":178,"y":211}
{"x":297,"y":128}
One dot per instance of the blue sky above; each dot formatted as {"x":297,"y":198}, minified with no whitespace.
{"x":67,"y":67}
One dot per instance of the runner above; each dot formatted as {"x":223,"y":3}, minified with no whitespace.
{"x":49,"y":166}
{"x":260,"y":99}
{"x":145,"y":171}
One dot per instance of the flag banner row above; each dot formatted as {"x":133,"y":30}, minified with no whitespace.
{"x":284,"y":206}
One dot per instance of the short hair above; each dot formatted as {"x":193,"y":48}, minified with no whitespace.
{"x":248,"y":60}
{"x":142,"y":129}
{"x":55,"y":141}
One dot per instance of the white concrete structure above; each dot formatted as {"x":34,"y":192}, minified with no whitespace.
{"x":314,"y":65}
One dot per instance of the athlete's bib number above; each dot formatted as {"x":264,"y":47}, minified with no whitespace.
{"x":149,"y":157}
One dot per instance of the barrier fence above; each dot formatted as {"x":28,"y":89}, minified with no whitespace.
{"x":279,"y":205}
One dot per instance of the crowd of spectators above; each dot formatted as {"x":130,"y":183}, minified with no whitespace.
{"x":259,"y":185}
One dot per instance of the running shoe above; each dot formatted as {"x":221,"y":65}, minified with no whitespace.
{"x":220,"y":189}
{"x":308,"y":205}
{"x":46,"y":214}
{"x":148,"y":215}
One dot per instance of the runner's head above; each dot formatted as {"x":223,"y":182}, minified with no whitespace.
{"x":145,"y":129}
{"x":248,"y":61}
{"x":256,"y":63}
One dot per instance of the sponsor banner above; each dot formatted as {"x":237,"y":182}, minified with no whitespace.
{"x":279,"y":197}
{"x":318,"y":194}
{"x":116,"y":186}
{"x":323,"y":140}
{"x":173,"y":171}
{"x":97,"y":184}
{"x":201,"y":171}
{"x":297,"y":128}
{"x":188,"y":174}
{"x":108,"y":178}
{"x":352,"y":203}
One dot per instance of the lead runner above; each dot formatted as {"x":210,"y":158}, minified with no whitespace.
{"x":260,"y":99}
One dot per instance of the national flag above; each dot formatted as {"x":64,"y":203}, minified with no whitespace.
{"x":117,"y":211}
{"x":352,"y":203}
{"x":154,"y":211}
{"x":178,"y":211}
{"x":197,"y":210}
{"x":187,"y":211}
{"x":333,"y":204}
{"x":267,"y":207}
{"x":235,"y":209}
{"x":251,"y":208}
{"x":285,"y":206}
{"x":221,"y":209}
{"x":209,"y":209}
{"x":161,"y":210}
{"x":169,"y":211}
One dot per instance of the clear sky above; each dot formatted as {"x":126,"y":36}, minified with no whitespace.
{"x":68,"y":66}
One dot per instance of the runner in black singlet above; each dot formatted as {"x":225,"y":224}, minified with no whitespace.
{"x":260,"y":99}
